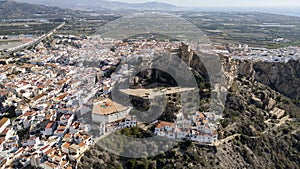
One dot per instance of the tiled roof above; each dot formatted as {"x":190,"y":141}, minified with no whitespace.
{"x":3,"y":121}
{"x":49,"y":125}
{"x":107,"y":106}
{"x":50,"y":151}
{"x":66,"y":145}
{"x":161,"y":124}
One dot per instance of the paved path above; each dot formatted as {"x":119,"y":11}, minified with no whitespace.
{"x":281,"y":122}
{"x":219,"y":142}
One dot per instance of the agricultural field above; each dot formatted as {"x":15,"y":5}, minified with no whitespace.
{"x":254,"y":29}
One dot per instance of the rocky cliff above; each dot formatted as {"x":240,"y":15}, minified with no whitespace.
{"x":282,"y":77}
{"x":250,"y":136}
{"x":260,"y":128}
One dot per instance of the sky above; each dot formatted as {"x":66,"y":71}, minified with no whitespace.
{"x":226,"y":3}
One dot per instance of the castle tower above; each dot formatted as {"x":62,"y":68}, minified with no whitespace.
{"x":186,"y":54}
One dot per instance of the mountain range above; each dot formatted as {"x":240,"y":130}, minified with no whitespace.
{"x":101,"y":4}
{"x":16,"y":10}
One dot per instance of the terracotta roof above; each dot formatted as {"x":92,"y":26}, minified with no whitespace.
{"x":59,"y":131}
{"x":81,"y":144}
{"x":67,"y":108}
{"x":51,"y":164}
{"x":48,"y":116}
{"x":161,"y":124}
{"x":49,"y":125}
{"x":51,"y":65}
{"x":122,"y":44}
{"x":63,"y":163}
{"x":41,"y":86}
{"x":27,"y":66}
{"x":39,"y":96}
{"x":60,"y":127}
{"x":2,"y":140}
{"x":107,"y":106}
{"x":44,"y":148}
{"x":29,"y":113}
{"x":67,"y":136}
{"x":5,"y":131}
{"x":3,"y":121}
{"x":106,"y":88}
{"x":185,"y":130}
{"x":62,"y":96}
{"x":66,"y":145}
{"x":50,"y":151}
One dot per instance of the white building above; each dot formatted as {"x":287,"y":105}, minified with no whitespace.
{"x":108,"y":111}
{"x":127,"y":122}
{"x":163,"y":128}
{"x":197,"y":128}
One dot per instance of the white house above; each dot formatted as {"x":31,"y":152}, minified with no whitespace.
{"x":65,"y":147}
{"x":182,"y":133}
{"x":77,"y":150}
{"x":197,"y":128}
{"x":163,"y":128}
{"x":31,"y":141}
{"x":129,"y":121}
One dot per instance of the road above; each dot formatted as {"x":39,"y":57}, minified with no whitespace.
{"x":35,"y":42}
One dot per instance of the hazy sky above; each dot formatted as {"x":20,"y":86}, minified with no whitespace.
{"x":227,"y":3}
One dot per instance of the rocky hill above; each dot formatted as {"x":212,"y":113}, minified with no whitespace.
{"x":250,"y":137}
{"x":260,"y":128}
{"x":282,"y":77}
{"x":12,"y":9}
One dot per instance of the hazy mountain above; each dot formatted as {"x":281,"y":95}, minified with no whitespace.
{"x":12,"y":9}
{"x":100,"y":4}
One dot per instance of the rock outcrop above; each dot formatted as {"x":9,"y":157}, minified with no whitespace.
{"x":282,"y":77}
{"x":253,"y":132}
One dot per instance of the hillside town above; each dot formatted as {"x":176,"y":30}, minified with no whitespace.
{"x":47,"y":92}
{"x":244,"y":52}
